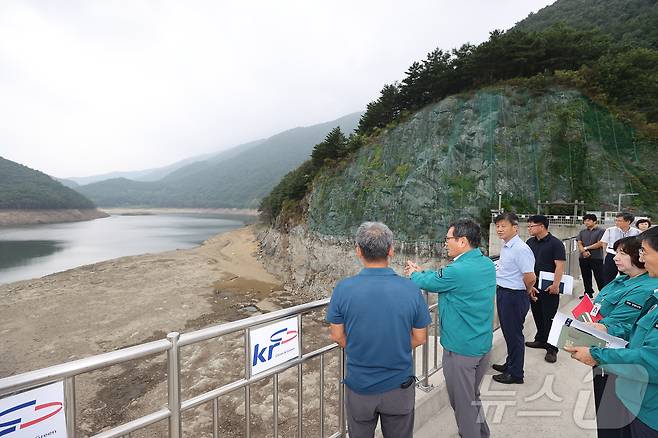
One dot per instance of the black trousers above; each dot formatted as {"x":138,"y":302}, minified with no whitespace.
{"x":512,"y":306}
{"x":543,"y":311}
{"x":589,"y":266}
{"x":612,"y":417}
{"x":609,"y":269}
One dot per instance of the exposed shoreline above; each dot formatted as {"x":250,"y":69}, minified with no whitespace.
{"x":117,"y":303}
{"x":147,"y":211}
{"x":34,"y":217}
{"x":107,"y":305}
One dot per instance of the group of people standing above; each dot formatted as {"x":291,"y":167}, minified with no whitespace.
{"x":596,"y":247}
{"x":378,"y":317}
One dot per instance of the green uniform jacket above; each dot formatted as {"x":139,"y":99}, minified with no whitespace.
{"x":621,"y":301}
{"x":636,"y":366}
{"x":466,"y":290}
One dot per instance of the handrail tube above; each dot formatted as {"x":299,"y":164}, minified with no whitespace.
{"x":230,"y":327}
{"x":134,"y":425}
{"x":69,"y":369}
{"x":173,"y":386}
{"x":223,"y":390}
{"x":210,"y":395}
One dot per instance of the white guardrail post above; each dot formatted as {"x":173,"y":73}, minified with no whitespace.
{"x":69,"y":404}
{"x":173,"y":386}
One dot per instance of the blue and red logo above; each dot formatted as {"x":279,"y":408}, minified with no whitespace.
{"x":277,"y":338}
{"x":50,"y":409}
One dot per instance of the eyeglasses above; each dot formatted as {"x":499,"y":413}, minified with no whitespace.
{"x":445,"y":239}
{"x":533,"y":225}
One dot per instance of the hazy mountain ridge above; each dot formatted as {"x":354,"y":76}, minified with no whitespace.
{"x":153,"y":174}
{"x":238,"y":177}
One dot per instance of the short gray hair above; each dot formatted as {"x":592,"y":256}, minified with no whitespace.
{"x":375,"y":239}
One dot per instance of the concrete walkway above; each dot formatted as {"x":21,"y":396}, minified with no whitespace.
{"x":555,"y":400}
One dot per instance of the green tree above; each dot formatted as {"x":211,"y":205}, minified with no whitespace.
{"x":332,"y":148}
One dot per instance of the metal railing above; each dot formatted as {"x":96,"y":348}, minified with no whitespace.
{"x":172,"y":344}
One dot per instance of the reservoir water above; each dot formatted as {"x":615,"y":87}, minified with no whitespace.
{"x":36,"y":250}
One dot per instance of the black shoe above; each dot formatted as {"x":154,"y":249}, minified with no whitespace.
{"x":500,"y":368}
{"x":507,"y":378}
{"x":581,"y":297}
{"x":535,"y":344}
{"x":551,"y":356}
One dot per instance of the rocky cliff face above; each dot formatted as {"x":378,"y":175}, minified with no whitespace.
{"x":310,"y":264}
{"x":450,"y":160}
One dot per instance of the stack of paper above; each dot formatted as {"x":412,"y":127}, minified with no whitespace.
{"x":569,"y":332}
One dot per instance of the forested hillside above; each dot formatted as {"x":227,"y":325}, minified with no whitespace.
{"x":22,"y":188}
{"x":574,"y":99}
{"x":632,"y":22}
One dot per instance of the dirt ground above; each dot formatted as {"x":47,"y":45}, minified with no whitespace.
{"x":127,"y":301}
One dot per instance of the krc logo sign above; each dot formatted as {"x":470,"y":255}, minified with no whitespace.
{"x":8,"y":425}
{"x":277,"y":338}
{"x":273,"y":344}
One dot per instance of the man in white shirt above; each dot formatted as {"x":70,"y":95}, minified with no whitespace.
{"x":621,"y":229}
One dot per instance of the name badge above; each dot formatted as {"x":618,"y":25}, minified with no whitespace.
{"x":595,"y":309}
{"x":633,"y":305}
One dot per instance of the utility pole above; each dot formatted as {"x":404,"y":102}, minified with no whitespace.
{"x":619,"y":199}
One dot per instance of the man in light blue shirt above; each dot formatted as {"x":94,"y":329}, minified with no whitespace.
{"x":515,"y":282}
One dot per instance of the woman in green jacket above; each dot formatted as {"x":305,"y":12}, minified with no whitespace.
{"x":619,"y":302}
{"x":635,"y":366}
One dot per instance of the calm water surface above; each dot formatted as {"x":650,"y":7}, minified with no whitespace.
{"x":37,"y":250}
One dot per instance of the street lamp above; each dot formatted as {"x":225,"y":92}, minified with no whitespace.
{"x":619,"y":199}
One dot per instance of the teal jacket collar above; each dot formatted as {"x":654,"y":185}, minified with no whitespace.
{"x":475,"y":252}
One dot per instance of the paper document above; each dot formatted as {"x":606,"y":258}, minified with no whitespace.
{"x":546,"y":279}
{"x":568,"y":331}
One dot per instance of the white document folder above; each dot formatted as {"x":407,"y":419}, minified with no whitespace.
{"x":547,"y":278}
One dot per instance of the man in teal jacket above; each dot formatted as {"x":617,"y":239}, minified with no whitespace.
{"x":466,"y":289}
{"x":636,"y":366}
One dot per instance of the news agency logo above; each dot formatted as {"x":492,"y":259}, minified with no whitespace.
{"x":6,"y":427}
{"x":280,"y":337}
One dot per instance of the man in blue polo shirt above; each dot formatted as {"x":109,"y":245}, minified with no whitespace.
{"x":378,"y":317}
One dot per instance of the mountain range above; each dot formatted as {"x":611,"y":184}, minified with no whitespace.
{"x":238,"y":177}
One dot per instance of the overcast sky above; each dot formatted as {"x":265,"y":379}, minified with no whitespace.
{"x":93,"y":86}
